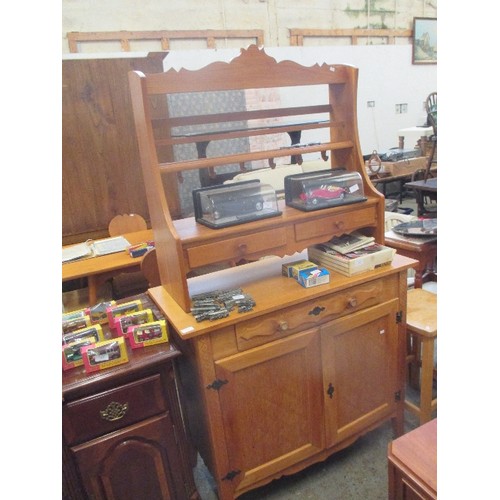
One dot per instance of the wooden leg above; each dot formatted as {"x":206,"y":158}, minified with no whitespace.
{"x":413,"y":350}
{"x":92,"y":284}
{"x":426,"y":380}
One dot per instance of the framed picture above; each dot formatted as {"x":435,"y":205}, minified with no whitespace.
{"x":424,"y":40}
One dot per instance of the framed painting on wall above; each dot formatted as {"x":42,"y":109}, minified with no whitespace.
{"x":424,"y":40}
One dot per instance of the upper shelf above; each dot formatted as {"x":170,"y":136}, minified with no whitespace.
{"x":271,"y":98}
{"x":251,"y":156}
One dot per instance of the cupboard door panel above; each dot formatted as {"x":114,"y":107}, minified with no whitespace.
{"x":133,"y":463}
{"x":272,"y":406}
{"x":360,"y":370}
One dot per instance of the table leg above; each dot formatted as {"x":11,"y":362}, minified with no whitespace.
{"x":92,"y":285}
{"x":419,"y":275}
{"x":426,"y":378}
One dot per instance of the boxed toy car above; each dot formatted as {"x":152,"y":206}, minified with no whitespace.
{"x":123,"y":323}
{"x":72,"y":353}
{"x":235,"y":203}
{"x":71,"y":325}
{"x":79,"y":313}
{"x":313,"y":277}
{"x":323,"y":189}
{"x":98,"y":313}
{"x":151,"y":333}
{"x":117,"y":310}
{"x":94,"y":332}
{"x":105,"y":354}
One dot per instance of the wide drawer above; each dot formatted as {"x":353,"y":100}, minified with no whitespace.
{"x":236,"y":248}
{"x":290,"y":320}
{"x":335,"y":224}
{"x":107,"y":411}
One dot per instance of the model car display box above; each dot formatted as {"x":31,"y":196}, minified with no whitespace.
{"x":235,"y":203}
{"x":154,"y":332}
{"x":323,"y":188}
{"x":105,"y":354}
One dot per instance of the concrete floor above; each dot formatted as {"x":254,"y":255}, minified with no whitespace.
{"x":358,"y":472}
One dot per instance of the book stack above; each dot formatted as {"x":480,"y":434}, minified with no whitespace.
{"x":351,"y":254}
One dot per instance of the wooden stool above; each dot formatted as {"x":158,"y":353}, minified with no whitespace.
{"x":421,"y":329}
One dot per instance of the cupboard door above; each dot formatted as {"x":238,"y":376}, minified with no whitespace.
{"x":272,"y":407}
{"x":359,"y":356}
{"x":133,"y":463}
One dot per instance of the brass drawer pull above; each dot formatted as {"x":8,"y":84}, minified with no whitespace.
{"x":283,"y":326}
{"x":114,"y":411}
{"x":352,"y":302}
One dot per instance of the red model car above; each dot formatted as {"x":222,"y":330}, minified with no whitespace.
{"x":323,"y":193}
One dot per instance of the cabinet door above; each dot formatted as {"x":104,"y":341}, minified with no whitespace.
{"x":133,"y":463}
{"x":359,"y":355}
{"x":272,"y":407}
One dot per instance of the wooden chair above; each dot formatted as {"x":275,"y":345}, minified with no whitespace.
{"x":421,"y":331}
{"x":133,"y":282}
{"x":150,"y":269}
{"x":126,"y":223}
{"x":431,"y":110}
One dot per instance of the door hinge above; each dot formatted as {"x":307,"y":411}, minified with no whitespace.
{"x":397,"y":396}
{"x":231,"y":475}
{"x":399,"y":316}
{"x":330,"y":390}
{"x":217,"y":384}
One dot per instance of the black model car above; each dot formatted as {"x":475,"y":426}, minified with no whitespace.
{"x":236,"y":206}
{"x":234,"y":203}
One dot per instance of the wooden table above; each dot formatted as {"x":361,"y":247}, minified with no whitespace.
{"x":99,"y":269}
{"x":421,"y":188}
{"x":412,"y":464}
{"x":424,"y":250}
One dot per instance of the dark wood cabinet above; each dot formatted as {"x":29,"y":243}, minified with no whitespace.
{"x":123,"y":433}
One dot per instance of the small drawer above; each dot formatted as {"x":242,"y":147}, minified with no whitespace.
{"x":336,"y":224}
{"x":236,"y":248}
{"x":293,"y":319}
{"x":107,"y":411}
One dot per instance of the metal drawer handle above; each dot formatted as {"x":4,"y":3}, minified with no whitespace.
{"x":352,"y":302}
{"x":283,"y":326}
{"x":114,"y":411}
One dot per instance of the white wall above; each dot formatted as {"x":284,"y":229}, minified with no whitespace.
{"x":386,"y":76}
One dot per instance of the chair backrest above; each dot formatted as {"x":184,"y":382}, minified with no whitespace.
{"x":431,"y":107}
{"x":150,"y":269}
{"x":126,"y":223}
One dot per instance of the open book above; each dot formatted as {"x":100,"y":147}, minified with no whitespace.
{"x":92,"y":248}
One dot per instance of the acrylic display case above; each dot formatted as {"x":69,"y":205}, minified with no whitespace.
{"x":234,"y":203}
{"x":323,"y":188}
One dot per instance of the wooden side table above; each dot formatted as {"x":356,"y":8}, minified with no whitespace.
{"x":412,"y":464}
{"x":422,"y":249}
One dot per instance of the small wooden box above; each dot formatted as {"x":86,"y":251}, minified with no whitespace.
{"x":404,"y":167}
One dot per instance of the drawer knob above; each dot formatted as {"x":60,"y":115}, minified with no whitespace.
{"x":242,"y":248}
{"x":352,"y":302}
{"x":283,"y":326}
{"x":114,"y":411}
{"x":339,"y":224}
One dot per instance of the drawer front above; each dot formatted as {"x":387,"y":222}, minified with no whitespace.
{"x":293,"y":319}
{"x":104,"y":412}
{"x":335,"y":224}
{"x":236,"y":248}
